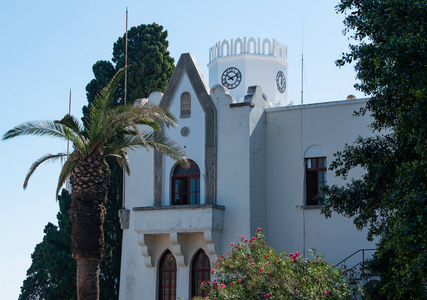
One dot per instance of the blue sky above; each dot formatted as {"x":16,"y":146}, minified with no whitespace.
{"x":49,"y":47}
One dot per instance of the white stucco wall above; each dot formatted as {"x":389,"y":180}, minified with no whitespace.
{"x":290,"y":132}
{"x":193,"y":144}
{"x":233,"y":172}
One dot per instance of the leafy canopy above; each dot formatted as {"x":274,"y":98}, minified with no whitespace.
{"x":391,"y":197}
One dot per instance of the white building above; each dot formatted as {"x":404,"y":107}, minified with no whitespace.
{"x":256,"y":162}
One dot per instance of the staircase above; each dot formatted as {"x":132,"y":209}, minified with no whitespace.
{"x":357,"y":273}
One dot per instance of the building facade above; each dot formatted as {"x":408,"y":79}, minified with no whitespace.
{"x":256,"y":161}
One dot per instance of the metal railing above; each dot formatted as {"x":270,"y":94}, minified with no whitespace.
{"x":352,"y":273}
{"x":351,"y":255}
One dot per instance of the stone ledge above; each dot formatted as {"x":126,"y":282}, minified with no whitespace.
{"x":143,"y":208}
{"x":319,"y":206}
{"x":240,"y":104}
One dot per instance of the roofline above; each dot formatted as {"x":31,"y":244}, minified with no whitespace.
{"x":314,"y":105}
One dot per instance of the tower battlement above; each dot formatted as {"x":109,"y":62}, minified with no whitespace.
{"x":248,"y":46}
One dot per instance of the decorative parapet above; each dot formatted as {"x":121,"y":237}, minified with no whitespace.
{"x":248,"y":46}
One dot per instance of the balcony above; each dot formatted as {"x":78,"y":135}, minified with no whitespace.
{"x":178,"y":221}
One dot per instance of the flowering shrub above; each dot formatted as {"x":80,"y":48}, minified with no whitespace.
{"x":253,"y":270}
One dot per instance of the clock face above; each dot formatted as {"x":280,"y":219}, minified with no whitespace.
{"x":281,"y":81}
{"x":231,"y":78}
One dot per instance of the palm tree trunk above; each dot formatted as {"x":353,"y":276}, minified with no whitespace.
{"x":87,"y":279}
{"x":87,"y":214}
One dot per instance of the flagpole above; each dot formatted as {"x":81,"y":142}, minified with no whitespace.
{"x":126,"y":55}
{"x":67,"y":182}
{"x":126,"y":77}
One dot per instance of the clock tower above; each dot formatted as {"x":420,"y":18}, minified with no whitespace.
{"x":241,"y":63}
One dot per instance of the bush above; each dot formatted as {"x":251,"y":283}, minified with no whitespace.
{"x":253,"y":270}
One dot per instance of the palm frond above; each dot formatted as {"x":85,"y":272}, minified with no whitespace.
{"x":123,"y":160}
{"x":119,"y":118}
{"x":65,"y":171}
{"x":168,"y":147}
{"x":72,"y":123}
{"x":105,"y":98}
{"x":38,"y":128}
{"x":102,"y":104}
{"x":46,"y":157}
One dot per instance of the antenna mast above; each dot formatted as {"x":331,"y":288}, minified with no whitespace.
{"x":69,"y":112}
{"x":126,"y":55}
{"x":67,"y":182}
{"x":302,"y":61}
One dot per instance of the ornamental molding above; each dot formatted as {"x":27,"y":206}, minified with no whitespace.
{"x":187,"y":65}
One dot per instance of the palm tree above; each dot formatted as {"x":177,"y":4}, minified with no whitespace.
{"x":110,"y":131}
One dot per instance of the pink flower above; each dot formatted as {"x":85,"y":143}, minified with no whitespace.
{"x":259,"y":229}
{"x":261,"y":269}
{"x":254,"y":238}
{"x":325,"y":292}
{"x":267,"y":295}
{"x":222,"y":285}
{"x":203,"y":283}
{"x":246,"y":241}
{"x":232,"y":244}
{"x":269,"y":274}
{"x":325,"y":276}
{"x":252,"y":263}
{"x":243,"y":237}
{"x":239,"y":280}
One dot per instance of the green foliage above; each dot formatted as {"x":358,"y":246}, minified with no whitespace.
{"x":152,"y":65}
{"x":52,"y":274}
{"x":109,"y":279}
{"x":103,"y":72}
{"x":253,"y":270}
{"x":391,"y":198}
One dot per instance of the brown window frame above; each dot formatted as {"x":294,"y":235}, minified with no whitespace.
{"x":167,"y":277}
{"x":185,"y":105}
{"x":200,"y":271}
{"x":186,"y":185}
{"x":315,"y":178}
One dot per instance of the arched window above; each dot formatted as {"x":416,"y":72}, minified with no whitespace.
{"x":185,"y":105}
{"x":200,"y":271}
{"x":186,"y":185}
{"x":315,"y":173}
{"x":167,"y":277}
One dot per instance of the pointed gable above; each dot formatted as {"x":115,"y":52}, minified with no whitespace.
{"x":188,"y":66}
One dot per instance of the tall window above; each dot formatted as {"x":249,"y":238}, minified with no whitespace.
{"x":200,"y":271}
{"x":185,"y":105}
{"x":186,"y":185}
{"x":315,"y":177}
{"x":167,"y":277}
